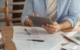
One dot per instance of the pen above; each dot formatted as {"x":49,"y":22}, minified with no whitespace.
{"x":27,"y":31}
{"x":35,"y":40}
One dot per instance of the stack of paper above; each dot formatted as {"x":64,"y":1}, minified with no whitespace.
{"x":51,"y":41}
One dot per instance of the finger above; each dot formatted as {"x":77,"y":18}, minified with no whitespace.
{"x":55,"y":23}
{"x":49,"y":30}
{"x":31,"y":24}
{"x":56,"y":28}
{"x":36,"y":15}
{"x":45,"y":27}
{"x":49,"y":25}
{"x":27,"y":20}
{"x":32,"y":14}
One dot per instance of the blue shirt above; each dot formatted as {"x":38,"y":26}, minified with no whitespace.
{"x":66,"y":10}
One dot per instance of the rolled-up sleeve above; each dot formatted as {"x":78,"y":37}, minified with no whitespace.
{"x":26,"y":11}
{"x":74,"y":11}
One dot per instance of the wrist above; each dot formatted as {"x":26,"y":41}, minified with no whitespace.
{"x":60,"y":27}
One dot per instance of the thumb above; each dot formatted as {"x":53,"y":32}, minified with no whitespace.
{"x":36,"y":15}
{"x":54,"y":23}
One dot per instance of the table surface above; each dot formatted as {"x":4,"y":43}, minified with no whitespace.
{"x":7,"y":33}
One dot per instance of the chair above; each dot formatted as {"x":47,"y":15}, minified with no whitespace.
{"x":7,"y":12}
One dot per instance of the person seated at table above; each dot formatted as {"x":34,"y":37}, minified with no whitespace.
{"x":64,"y":11}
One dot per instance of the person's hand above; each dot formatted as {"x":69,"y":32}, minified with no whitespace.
{"x":28,"y":22}
{"x":52,"y":28}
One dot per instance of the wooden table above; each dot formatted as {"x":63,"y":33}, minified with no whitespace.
{"x":7,"y":33}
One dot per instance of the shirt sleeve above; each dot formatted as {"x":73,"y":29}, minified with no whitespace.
{"x":74,"y":11}
{"x":28,"y":9}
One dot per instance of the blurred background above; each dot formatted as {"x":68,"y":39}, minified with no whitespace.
{"x":14,"y":7}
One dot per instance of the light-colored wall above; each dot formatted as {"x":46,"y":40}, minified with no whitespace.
{"x":2,"y":3}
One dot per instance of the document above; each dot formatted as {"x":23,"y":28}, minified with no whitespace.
{"x":23,"y":40}
{"x":71,"y":46}
{"x":74,"y":36}
{"x":30,"y":45}
{"x":20,"y":33}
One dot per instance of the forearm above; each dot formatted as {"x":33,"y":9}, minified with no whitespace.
{"x":65,"y":25}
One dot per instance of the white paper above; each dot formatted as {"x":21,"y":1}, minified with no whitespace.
{"x":74,"y":36}
{"x":30,"y":45}
{"x":71,"y":46}
{"x":21,"y":44}
{"x":71,"y":33}
{"x":20,"y":33}
{"x":51,"y":41}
